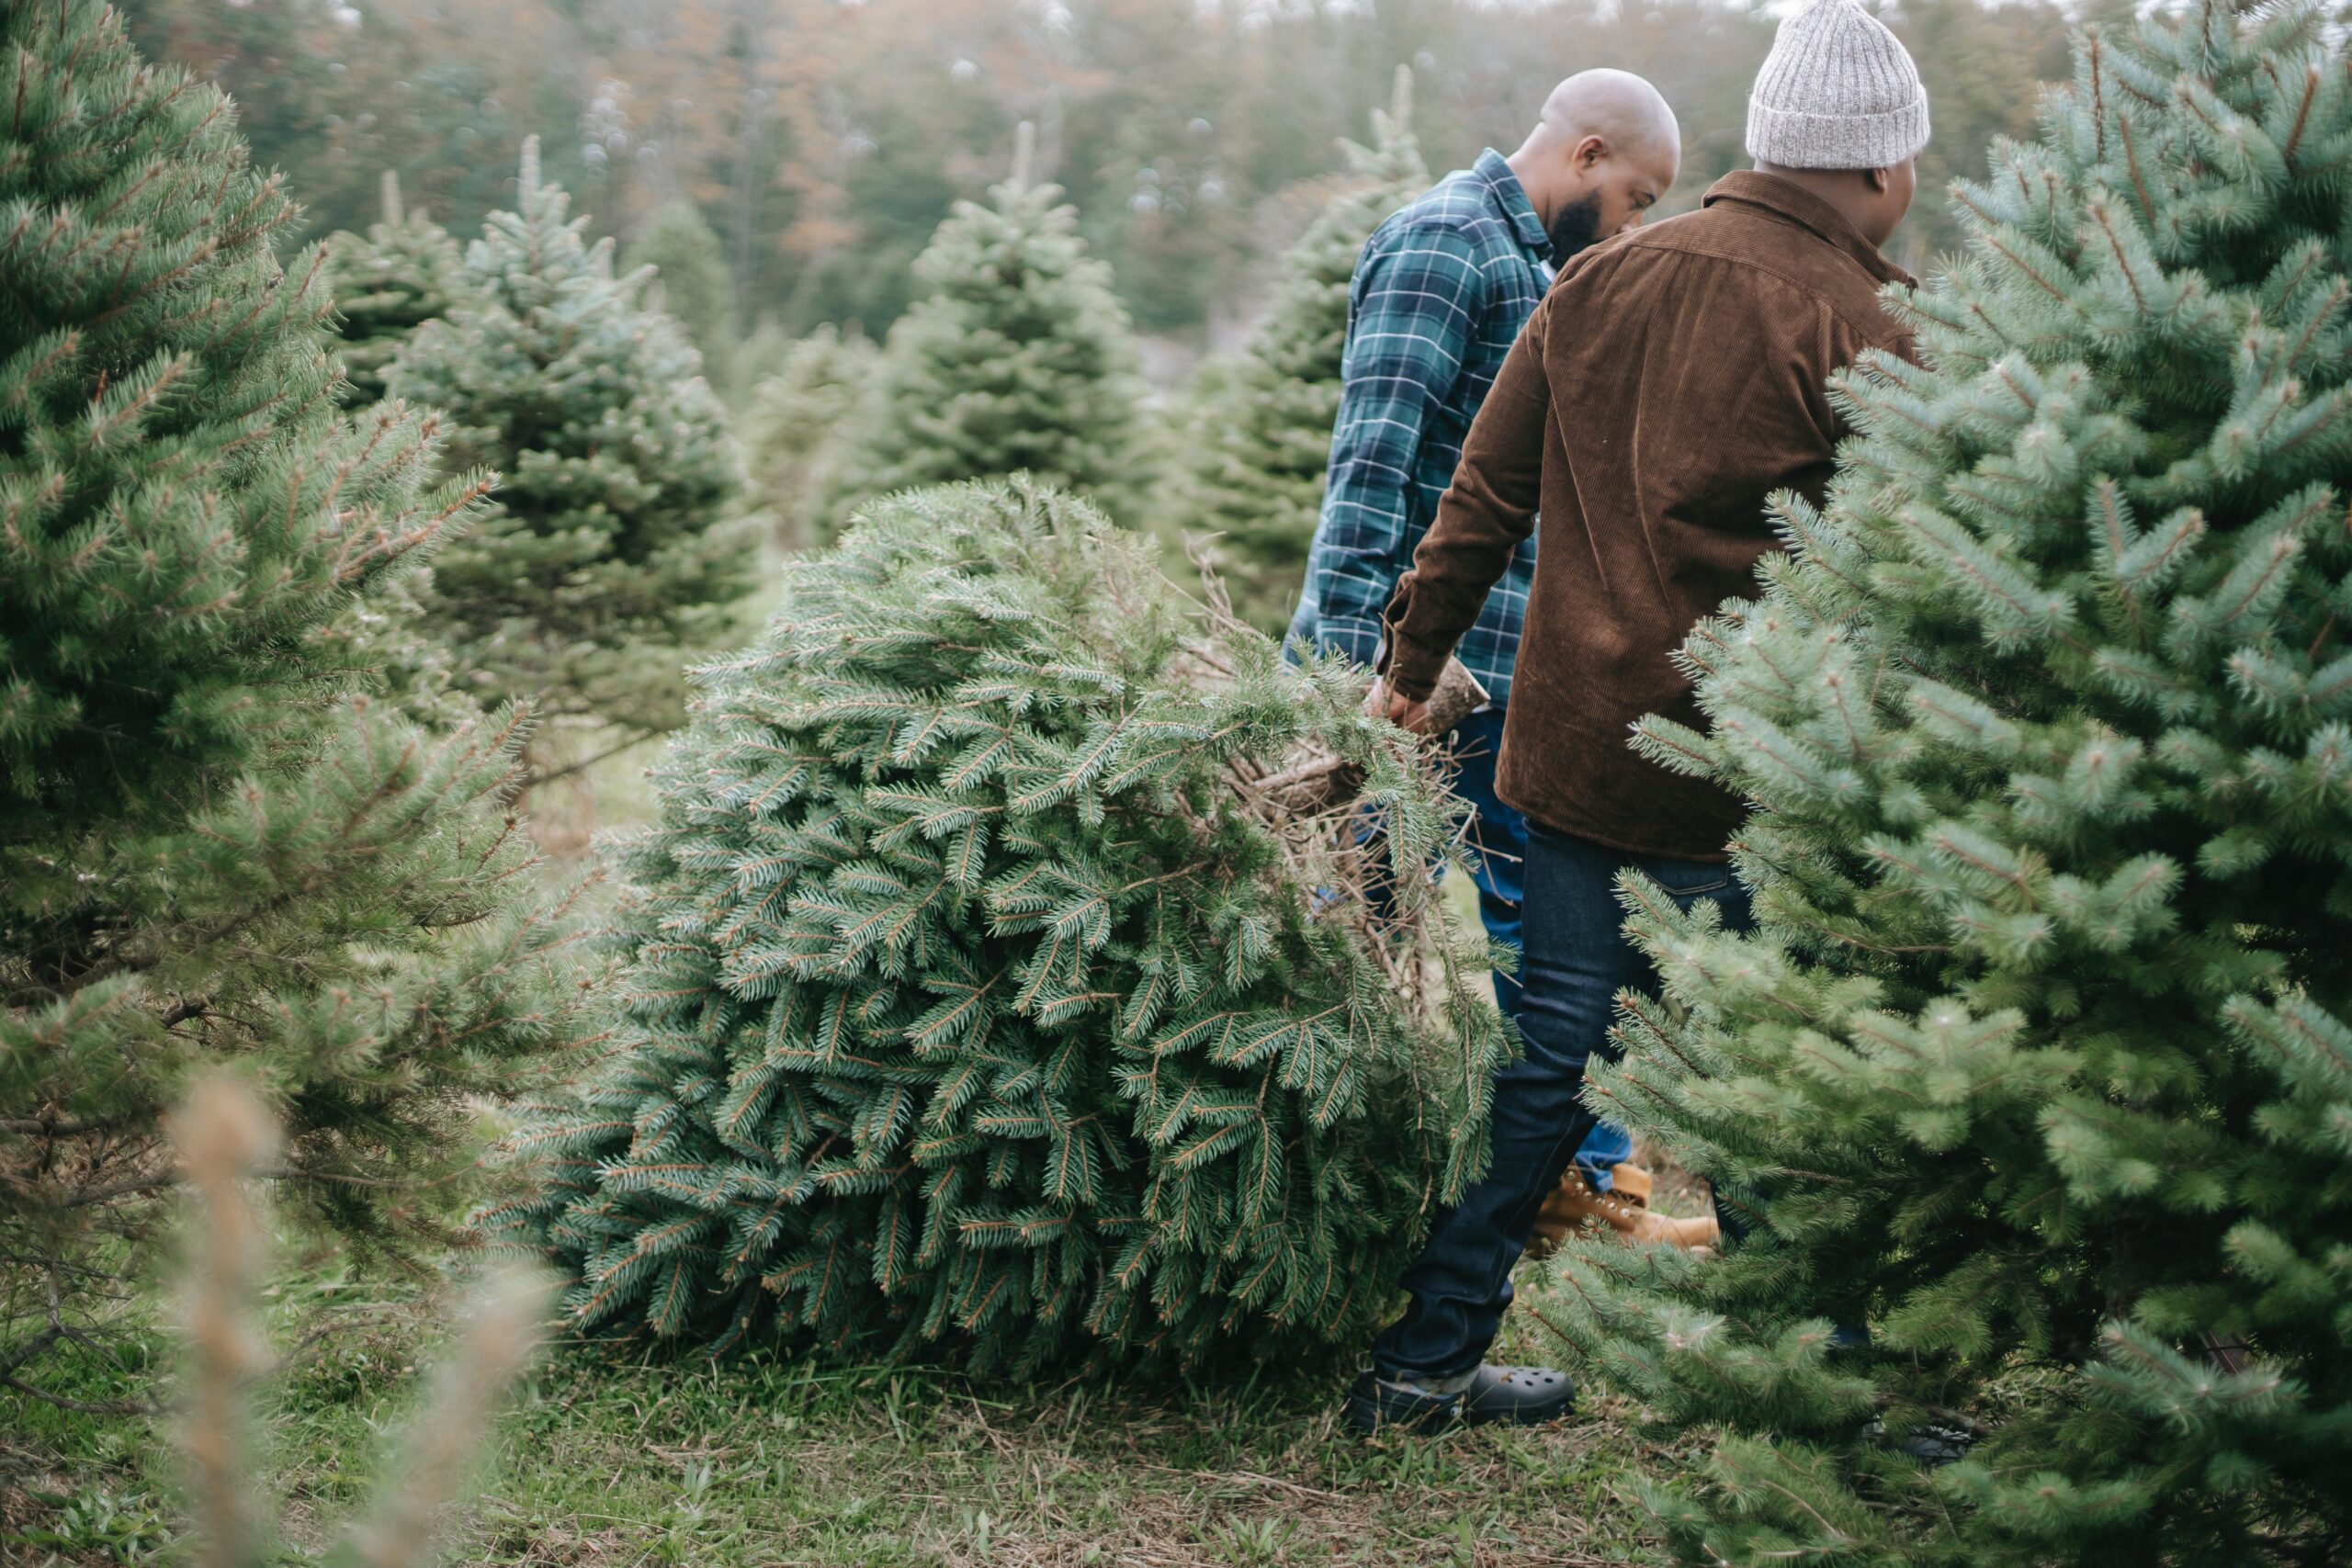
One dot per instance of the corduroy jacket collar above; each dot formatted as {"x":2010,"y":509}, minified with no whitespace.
{"x":1798,"y":205}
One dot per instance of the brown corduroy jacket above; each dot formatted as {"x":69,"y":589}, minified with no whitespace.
{"x":1666,"y":386}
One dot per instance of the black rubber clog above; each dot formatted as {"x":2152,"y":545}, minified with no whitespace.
{"x":1520,"y":1396}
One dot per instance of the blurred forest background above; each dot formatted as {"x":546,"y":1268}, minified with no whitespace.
{"x":823,"y":140}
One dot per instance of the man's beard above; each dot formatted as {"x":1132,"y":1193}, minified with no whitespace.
{"x":1574,"y":227}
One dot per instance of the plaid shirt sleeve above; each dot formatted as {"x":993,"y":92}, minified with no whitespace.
{"x":1410,"y":327}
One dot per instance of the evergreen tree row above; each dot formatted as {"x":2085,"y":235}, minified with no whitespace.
{"x":1016,"y":358}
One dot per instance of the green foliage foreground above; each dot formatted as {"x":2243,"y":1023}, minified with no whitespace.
{"x":2043,"y":1063}
{"x":975,"y":997}
{"x":215,"y":846}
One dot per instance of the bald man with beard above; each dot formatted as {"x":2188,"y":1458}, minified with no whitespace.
{"x":1439,"y":293}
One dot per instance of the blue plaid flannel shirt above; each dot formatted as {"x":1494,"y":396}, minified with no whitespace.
{"x":1441,"y":291}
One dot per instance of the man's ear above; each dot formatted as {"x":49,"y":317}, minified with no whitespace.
{"x":1590,"y":152}
{"x":1879,"y":179}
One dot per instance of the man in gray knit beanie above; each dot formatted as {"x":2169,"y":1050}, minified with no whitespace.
{"x":1669,"y":383}
{"x":1838,"y":108}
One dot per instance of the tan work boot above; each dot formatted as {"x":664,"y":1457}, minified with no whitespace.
{"x":1625,"y":1213}
{"x":1631,"y":1182}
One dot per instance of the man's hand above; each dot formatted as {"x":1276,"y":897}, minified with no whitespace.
{"x":1401,"y":710}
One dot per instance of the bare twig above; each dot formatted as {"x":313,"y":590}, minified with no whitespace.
{"x":223,"y":1136}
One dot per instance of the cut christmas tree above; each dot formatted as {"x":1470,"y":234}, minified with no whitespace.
{"x":616,"y":543}
{"x":402,"y":273}
{"x":215,"y":848}
{"x":2041,"y":1068}
{"x":1016,"y":359}
{"x":981,"y":1004}
{"x":1252,"y":455}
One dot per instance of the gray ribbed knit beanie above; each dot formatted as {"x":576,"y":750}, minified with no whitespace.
{"x":1839,"y":91}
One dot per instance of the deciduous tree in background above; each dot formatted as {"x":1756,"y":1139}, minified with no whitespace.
{"x":2041,"y":1066}
{"x":214,"y":846}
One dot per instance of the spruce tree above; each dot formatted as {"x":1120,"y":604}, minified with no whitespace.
{"x":979,"y":1004}
{"x":2041,"y":1066}
{"x":1017,"y":357}
{"x":402,"y":273}
{"x":793,"y":430}
{"x":215,"y":848}
{"x":1252,"y":455}
{"x":690,"y":283}
{"x":615,"y":542}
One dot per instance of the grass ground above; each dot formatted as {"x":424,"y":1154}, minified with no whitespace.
{"x":763,"y":1462}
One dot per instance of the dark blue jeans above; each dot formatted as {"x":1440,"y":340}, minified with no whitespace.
{"x":1576,"y":960}
{"x":1498,"y":863}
